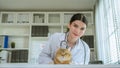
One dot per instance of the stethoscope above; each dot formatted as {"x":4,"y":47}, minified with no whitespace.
{"x":64,"y":42}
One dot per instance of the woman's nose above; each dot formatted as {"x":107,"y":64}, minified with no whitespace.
{"x":77,"y":30}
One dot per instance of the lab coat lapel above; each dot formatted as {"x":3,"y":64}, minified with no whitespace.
{"x":77,"y":48}
{"x":62,"y":37}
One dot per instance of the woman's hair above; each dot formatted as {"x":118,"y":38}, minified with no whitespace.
{"x":78,"y":16}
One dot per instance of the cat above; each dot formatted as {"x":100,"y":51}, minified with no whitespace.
{"x":63,"y":56}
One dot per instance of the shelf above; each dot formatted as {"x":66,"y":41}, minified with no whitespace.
{"x":15,"y":24}
{"x":15,"y":30}
{"x":15,"y":35}
{"x":92,"y":49}
{"x":20,"y":41}
{"x":54,"y":29}
{"x":11,"y":49}
{"x":39,"y":38}
{"x":46,"y":24}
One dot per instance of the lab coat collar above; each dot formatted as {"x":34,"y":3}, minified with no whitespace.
{"x":63,"y":37}
{"x":78,"y":44}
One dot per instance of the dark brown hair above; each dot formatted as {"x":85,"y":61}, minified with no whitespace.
{"x":78,"y":16}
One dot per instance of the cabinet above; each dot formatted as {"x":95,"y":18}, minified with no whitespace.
{"x":89,"y":39}
{"x":14,"y":25}
{"x":30,"y":31}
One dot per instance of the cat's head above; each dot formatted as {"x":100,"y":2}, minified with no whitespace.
{"x":63,"y":52}
{"x":63,"y":56}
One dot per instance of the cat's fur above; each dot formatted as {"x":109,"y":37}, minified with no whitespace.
{"x":63,"y":56}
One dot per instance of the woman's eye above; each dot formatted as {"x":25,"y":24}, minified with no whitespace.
{"x":82,"y":28}
{"x":75,"y":25}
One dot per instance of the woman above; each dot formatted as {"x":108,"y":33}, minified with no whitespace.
{"x":79,"y":49}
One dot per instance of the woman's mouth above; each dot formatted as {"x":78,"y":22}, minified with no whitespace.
{"x":75,"y":34}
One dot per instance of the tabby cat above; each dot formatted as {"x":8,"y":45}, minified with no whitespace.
{"x":63,"y":56}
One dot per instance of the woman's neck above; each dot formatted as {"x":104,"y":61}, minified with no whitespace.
{"x":71,"y":41}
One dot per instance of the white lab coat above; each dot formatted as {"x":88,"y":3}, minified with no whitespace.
{"x":80,"y":52}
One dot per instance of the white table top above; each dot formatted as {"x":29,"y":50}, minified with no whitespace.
{"x":26,"y":65}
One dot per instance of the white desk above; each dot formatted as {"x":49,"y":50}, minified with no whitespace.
{"x":55,"y":66}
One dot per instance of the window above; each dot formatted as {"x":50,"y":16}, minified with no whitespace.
{"x":108,"y":31}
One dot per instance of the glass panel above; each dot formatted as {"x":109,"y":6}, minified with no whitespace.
{"x":54,"y":18}
{"x":67,"y":17}
{"x":23,"y":18}
{"x":7,"y":18}
{"x":38,"y":18}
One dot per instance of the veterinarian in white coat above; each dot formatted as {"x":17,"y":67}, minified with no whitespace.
{"x":79,"y":49}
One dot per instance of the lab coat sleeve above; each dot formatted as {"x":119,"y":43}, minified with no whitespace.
{"x":45,"y":55}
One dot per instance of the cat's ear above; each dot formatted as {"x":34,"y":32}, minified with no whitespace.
{"x":69,"y":48}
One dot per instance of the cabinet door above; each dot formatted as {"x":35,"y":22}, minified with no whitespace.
{"x":7,"y":17}
{"x":89,"y":17}
{"x":67,"y":17}
{"x":18,"y":56}
{"x":89,"y":40}
{"x":23,"y":17}
{"x":40,"y":31}
{"x":39,"y":18}
{"x":54,"y":18}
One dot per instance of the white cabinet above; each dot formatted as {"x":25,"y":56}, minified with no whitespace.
{"x":26,"y":28}
{"x":15,"y":26}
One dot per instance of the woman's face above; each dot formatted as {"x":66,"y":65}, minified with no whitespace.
{"x":76,"y":29}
